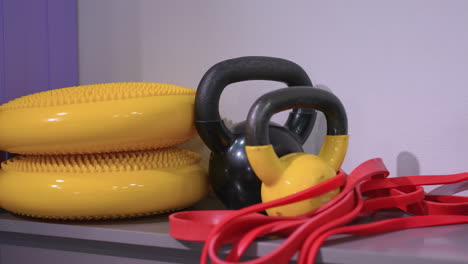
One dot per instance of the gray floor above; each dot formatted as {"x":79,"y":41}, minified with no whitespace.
{"x":145,"y":240}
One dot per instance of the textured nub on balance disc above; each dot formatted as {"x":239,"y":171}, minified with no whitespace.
{"x":95,"y":93}
{"x":103,"y":162}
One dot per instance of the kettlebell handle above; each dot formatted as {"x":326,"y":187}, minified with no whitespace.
{"x":208,"y":122}
{"x":260,"y":153}
{"x":262,"y":110}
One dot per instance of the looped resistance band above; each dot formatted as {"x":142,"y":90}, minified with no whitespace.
{"x":364,"y":191}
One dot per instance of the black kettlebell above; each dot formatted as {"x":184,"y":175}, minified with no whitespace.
{"x":230,"y":174}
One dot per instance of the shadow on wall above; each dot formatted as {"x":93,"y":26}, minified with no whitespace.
{"x":314,"y":142}
{"x":407,"y":164}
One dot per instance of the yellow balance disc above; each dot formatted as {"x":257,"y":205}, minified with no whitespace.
{"x":107,"y":185}
{"x":98,"y":118}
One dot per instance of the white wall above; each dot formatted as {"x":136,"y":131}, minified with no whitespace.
{"x":400,"y":67}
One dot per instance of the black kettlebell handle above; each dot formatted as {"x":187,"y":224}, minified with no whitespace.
{"x":262,"y":110}
{"x":208,"y":122}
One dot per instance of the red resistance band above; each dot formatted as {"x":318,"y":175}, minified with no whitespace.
{"x":364,"y":191}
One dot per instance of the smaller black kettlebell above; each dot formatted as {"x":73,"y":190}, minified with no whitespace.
{"x":230,"y":174}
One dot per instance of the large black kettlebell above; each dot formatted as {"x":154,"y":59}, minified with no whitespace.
{"x":230,"y":174}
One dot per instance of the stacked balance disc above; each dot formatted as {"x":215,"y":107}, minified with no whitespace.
{"x":100,"y":151}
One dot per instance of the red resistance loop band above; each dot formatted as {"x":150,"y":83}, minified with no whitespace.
{"x":364,"y":191}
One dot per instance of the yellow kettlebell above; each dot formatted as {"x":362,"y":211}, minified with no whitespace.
{"x":295,"y":172}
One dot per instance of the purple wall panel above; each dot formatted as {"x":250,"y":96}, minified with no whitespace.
{"x":2,"y":51}
{"x":38,"y":46}
{"x":26,"y":48}
{"x":63,"y":43}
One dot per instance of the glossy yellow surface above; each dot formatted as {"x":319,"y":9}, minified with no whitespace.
{"x":114,"y":192}
{"x":124,"y":124}
{"x":296,"y":172}
{"x":333,"y":150}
